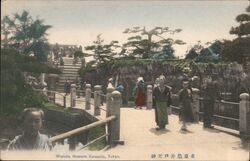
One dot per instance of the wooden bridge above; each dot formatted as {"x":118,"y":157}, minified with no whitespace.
{"x":131,"y":132}
{"x":138,"y":138}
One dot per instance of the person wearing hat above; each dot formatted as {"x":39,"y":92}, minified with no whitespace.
{"x":162,"y":97}
{"x":185,"y":100}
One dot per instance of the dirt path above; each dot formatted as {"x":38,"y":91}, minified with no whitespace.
{"x":143,"y":142}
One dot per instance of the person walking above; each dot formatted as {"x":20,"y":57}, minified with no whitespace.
{"x":66,"y":87}
{"x":162,"y":97}
{"x":185,"y":100}
{"x":140,"y":96}
{"x":210,"y":94}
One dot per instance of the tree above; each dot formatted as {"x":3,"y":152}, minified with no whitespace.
{"x":192,"y":54}
{"x":101,"y":52}
{"x":201,"y":53}
{"x":26,"y":35}
{"x":16,"y":93}
{"x":143,"y":45}
{"x":194,"y":51}
{"x":238,"y":49}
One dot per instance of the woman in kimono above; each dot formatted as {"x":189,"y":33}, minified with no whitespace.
{"x":140,"y":99}
{"x":162,"y":97}
{"x":185,"y":100}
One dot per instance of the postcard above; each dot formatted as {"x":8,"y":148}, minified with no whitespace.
{"x":125,"y":80}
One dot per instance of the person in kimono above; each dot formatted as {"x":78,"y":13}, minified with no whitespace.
{"x":185,"y":100}
{"x":162,"y":97}
{"x":140,"y":93}
{"x":31,"y":139}
{"x":210,"y":93}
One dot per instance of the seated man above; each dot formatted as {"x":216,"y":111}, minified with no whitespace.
{"x":31,"y":139}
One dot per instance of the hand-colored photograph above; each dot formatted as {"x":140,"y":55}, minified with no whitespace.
{"x":125,"y":80}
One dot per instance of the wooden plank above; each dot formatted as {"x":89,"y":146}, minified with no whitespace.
{"x":81,"y":129}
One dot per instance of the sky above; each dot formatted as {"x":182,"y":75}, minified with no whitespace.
{"x":78,"y":22}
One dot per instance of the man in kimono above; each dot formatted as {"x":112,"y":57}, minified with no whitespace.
{"x":210,"y":94}
{"x":31,"y":139}
{"x":162,"y":97}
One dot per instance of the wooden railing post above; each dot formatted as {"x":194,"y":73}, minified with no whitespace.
{"x":196,"y":104}
{"x":244,"y":116}
{"x":114,"y":110}
{"x":72,"y":143}
{"x":87,"y":96}
{"x":73,"y":95}
{"x":149,"y":97}
{"x":108,"y":99}
{"x":97,"y":100}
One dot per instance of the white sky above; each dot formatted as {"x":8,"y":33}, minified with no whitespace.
{"x":79,"y":21}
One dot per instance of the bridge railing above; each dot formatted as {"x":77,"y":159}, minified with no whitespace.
{"x":53,"y":96}
{"x":231,"y":115}
{"x":111,"y":119}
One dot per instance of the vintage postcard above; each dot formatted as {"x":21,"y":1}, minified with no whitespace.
{"x":125,"y":80}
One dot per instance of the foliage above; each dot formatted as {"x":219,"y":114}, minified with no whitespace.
{"x":16,"y":94}
{"x":238,"y":49}
{"x":200,"y":53}
{"x":124,"y":62}
{"x":95,"y":133}
{"x":26,"y":35}
{"x":145,"y":47}
{"x":101,"y":52}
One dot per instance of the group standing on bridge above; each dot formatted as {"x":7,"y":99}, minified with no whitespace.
{"x":162,"y":99}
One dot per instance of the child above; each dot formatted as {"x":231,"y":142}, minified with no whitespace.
{"x":31,"y":139}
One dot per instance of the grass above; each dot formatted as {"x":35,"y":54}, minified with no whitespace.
{"x":53,"y":106}
{"x":95,"y":133}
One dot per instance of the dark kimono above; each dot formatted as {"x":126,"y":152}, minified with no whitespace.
{"x":162,"y":101}
{"x":210,"y":94}
{"x":185,"y":100}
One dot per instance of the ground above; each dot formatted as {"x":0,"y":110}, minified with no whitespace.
{"x":143,"y":142}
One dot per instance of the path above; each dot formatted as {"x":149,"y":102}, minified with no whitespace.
{"x":142,"y":141}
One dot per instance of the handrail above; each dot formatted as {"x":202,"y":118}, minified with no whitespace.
{"x":225,"y":102}
{"x":93,"y":141}
{"x":81,"y":129}
{"x":40,"y":90}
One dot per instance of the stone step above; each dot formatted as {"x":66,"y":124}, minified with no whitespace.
{"x":71,"y":77}
{"x":70,"y":71}
{"x":70,"y":65}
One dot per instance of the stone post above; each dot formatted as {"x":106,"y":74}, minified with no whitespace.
{"x":87,"y":96}
{"x":196,"y":104}
{"x":114,"y":126}
{"x":244,"y":116}
{"x":97,"y":100}
{"x":149,"y":97}
{"x":52,"y":85}
{"x":64,"y":102}
{"x":73,"y":95}
{"x":108,"y":99}
{"x":83,"y":62}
